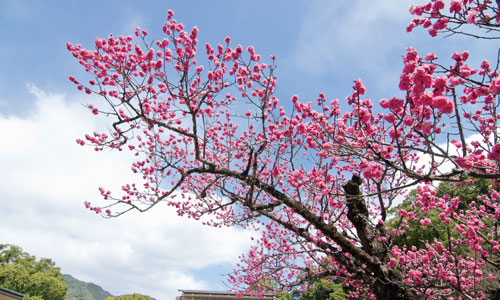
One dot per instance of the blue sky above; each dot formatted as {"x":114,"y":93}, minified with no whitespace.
{"x":321,"y":46}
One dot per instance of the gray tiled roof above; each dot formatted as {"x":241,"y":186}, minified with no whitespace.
{"x":218,"y":295}
{"x":7,"y":292}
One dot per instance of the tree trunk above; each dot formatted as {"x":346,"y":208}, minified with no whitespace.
{"x":392,"y":291}
{"x":388,"y":285}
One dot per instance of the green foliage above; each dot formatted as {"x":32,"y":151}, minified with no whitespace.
{"x":80,"y":290}
{"x":284,"y":296}
{"x":468,"y":192}
{"x":338,"y":293}
{"x":324,"y":290}
{"x":130,"y":297}
{"x":21,"y":272}
{"x":320,"y":290}
{"x":416,"y":234}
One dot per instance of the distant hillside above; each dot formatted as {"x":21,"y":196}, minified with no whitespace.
{"x":80,"y":290}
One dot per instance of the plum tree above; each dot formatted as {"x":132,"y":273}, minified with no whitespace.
{"x":316,"y":178}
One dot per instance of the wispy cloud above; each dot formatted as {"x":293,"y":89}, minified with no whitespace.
{"x":357,"y":33}
{"x":340,"y":41}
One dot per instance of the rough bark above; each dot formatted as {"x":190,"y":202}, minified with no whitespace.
{"x":387,"y":283}
{"x":392,"y":291}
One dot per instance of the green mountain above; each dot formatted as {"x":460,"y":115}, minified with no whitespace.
{"x":80,"y":290}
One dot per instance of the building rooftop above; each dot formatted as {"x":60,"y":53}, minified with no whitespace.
{"x":10,"y":293}
{"x":218,"y":295}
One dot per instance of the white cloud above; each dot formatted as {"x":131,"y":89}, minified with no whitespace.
{"x":359,"y":33}
{"x":445,"y":165}
{"x":46,"y":177}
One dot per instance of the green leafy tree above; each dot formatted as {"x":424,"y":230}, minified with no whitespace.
{"x":417,"y":234}
{"x":130,"y":297}
{"x":325,"y":290}
{"x":284,"y":295}
{"x":322,"y":289}
{"x":21,"y":272}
